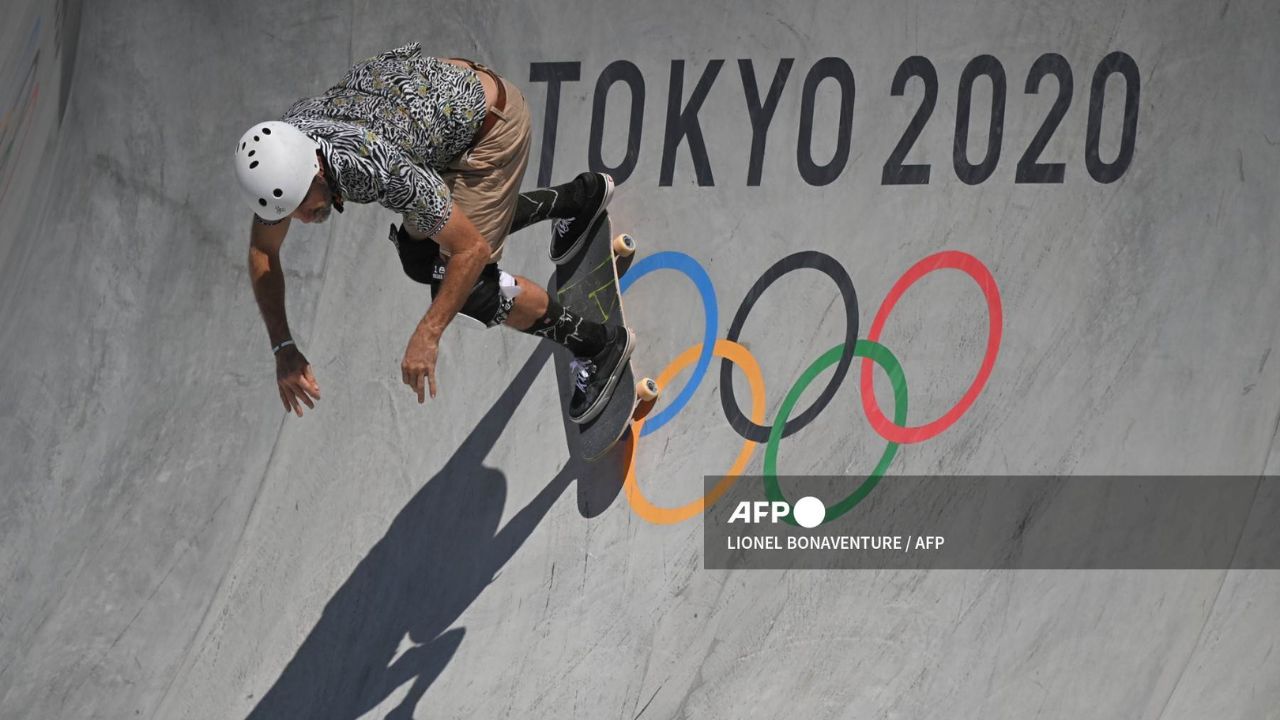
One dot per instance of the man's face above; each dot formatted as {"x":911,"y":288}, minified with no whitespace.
{"x":318,"y":203}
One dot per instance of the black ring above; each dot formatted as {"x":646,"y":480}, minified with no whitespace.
{"x":828,"y":266}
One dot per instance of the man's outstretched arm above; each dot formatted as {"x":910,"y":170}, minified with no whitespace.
{"x":294,"y":379}
{"x":468,"y":254}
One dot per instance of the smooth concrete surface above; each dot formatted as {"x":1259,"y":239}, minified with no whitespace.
{"x":172,"y":547}
{"x":37,"y":57}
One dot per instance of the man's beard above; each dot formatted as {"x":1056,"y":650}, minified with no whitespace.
{"x":322,"y":214}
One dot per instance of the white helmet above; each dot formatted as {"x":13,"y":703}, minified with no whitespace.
{"x":275,"y":163}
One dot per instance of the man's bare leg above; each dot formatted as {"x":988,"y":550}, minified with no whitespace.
{"x":601,"y":351}
{"x":537,"y":313}
{"x":530,"y":304}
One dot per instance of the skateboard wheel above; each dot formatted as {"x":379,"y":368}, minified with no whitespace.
{"x":647,"y":389}
{"x":624,"y":245}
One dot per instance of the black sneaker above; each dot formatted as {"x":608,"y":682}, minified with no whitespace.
{"x":569,"y":233}
{"x":595,"y":378}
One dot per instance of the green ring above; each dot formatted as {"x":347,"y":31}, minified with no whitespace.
{"x":881,"y":356}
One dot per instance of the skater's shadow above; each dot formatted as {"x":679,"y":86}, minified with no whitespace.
{"x":389,"y":624}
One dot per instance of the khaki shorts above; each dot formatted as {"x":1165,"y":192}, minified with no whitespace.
{"x":485,"y":182}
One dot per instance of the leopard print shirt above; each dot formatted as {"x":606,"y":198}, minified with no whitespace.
{"x":391,"y":126}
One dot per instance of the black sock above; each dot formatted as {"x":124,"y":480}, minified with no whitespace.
{"x":561,"y":201}
{"x":583,"y":337}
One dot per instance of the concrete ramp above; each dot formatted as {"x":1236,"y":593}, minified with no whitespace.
{"x":1060,"y":219}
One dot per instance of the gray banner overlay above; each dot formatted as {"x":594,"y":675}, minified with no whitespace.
{"x":993,"y":522}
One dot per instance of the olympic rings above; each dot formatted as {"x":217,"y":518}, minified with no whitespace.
{"x":831,"y":268}
{"x":895,"y":431}
{"x":739,"y":355}
{"x":872,"y":352}
{"x":753,"y":432}
{"x":691,"y":269}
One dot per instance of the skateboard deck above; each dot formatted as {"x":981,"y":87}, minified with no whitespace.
{"x":588,"y":283}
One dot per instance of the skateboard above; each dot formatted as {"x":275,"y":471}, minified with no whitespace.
{"x":588,"y":283}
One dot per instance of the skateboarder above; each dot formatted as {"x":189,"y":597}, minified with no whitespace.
{"x":444,"y":142}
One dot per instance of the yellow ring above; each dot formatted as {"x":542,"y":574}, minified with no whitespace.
{"x":739,"y":356}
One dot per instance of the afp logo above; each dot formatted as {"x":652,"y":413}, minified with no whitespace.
{"x":809,"y":512}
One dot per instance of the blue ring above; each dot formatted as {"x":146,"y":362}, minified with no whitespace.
{"x":690,"y":268}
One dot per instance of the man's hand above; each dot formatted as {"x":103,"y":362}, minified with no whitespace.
{"x":419,"y":362}
{"x":297,"y":385}
{"x":293,"y":375}
{"x":468,"y":254}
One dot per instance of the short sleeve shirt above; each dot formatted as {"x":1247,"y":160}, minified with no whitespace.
{"x":391,"y":126}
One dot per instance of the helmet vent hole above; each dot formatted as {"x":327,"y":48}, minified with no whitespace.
{"x":256,"y":138}
{"x":251,"y":152}
{"x":253,"y":164}
{"x":277,"y":192}
{"x":262,"y":202}
{"x":242,"y":146}
{"x":266,"y":131}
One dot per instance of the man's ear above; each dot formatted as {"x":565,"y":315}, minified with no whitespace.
{"x":321,"y":175}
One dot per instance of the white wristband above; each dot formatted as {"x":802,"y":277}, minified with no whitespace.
{"x":275,"y":350}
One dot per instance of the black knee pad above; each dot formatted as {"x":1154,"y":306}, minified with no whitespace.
{"x":417,"y":257}
{"x":491,"y":298}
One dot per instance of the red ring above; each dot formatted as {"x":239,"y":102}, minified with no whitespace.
{"x":972,"y":267}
